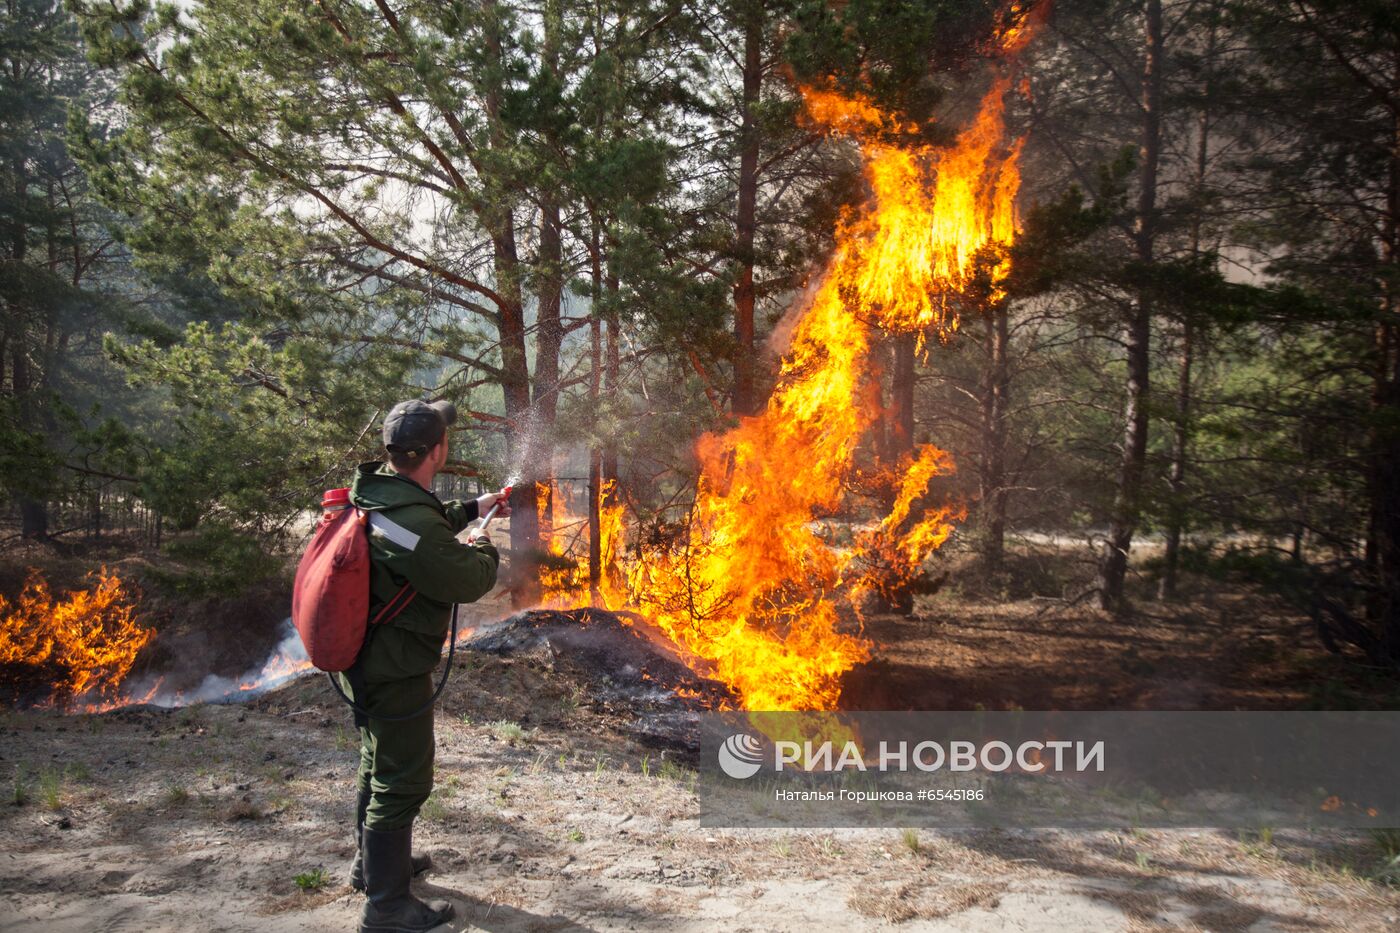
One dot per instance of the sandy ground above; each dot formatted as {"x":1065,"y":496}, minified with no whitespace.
{"x":551,"y":814}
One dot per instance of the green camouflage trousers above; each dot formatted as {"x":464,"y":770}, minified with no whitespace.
{"x":396,"y":758}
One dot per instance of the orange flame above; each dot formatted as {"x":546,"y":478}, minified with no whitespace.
{"x":755,"y":588}
{"x":81,"y":646}
{"x":565,"y":584}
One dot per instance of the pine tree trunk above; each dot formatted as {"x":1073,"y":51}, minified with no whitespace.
{"x":33,"y":514}
{"x":1113,"y":564}
{"x":1385,"y":504}
{"x":515,"y":372}
{"x":745,"y":400}
{"x":994,"y":403}
{"x":521,"y":435}
{"x":899,"y":439}
{"x":902,"y":397}
{"x":1181,"y":426}
{"x":595,"y":453}
{"x":614,"y":376}
{"x":549,"y":331}
{"x":1176,"y":477}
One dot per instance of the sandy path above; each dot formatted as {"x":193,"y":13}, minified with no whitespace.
{"x":201,"y":819}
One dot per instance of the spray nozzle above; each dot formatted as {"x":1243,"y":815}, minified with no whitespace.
{"x":505,"y":494}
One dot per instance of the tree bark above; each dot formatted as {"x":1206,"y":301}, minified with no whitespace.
{"x":515,"y":386}
{"x":896,"y":440}
{"x":901,"y":439}
{"x":614,"y":375}
{"x":549,"y":333}
{"x":745,"y":400}
{"x":595,"y":453}
{"x":1113,"y":563}
{"x":499,"y":220}
{"x":994,"y":403}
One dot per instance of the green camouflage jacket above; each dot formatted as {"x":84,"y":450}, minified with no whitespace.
{"x":413,"y":540}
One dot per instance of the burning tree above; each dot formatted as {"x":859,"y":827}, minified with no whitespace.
{"x":752,"y":586}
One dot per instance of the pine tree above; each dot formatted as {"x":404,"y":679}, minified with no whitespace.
{"x":386,"y":176}
{"x":1328,"y":80}
{"x":61,"y":272}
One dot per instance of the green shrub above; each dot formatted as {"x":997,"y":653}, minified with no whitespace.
{"x":218,"y":560}
{"x":312,"y":880}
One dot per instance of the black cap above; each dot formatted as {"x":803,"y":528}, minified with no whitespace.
{"x":412,"y":427}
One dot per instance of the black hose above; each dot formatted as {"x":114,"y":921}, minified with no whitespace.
{"x":451,"y":649}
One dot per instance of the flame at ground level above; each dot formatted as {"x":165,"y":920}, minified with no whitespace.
{"x":754,"y":587}
{"x":77,"y":652}
{"x":757,"y":590}
{"x":64,"y":650}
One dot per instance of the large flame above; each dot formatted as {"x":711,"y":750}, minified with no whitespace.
{"x":564,"y":579}
{"x":756,"y":588}
{"x":77,"y":648}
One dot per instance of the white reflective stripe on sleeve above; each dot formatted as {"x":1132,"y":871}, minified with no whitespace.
{"x":384,"y":527}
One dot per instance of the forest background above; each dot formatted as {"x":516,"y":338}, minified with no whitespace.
{"x":233,"y":234}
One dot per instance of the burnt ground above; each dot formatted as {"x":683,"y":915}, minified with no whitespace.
{"x":222,"y":629}
{"x":1238,"y":649}
{"x":556,"y":809}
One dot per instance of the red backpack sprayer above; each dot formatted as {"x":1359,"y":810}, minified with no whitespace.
{"x":330,"y":599}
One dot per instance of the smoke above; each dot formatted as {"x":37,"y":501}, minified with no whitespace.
{"x":781,"y":337}
{"x":286,"y":662}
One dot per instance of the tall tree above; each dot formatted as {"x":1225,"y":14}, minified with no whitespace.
{"x":1329,"y":79}
{"x":376,"y":174}
{"x":753,"y":19}
{"x":61,"y":270}
{"x":1127,"y":504}
{"x":1190,"y":339}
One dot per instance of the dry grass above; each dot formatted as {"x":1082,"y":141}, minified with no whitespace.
{"x":305,"y":900}
{"x":899,"y":903}
{"x":890,"y":904}
{"x":957,"y":898}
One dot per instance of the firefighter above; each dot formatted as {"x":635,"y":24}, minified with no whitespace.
{"x":416,"y":563}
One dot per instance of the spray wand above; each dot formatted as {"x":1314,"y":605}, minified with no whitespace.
{"x":505,"y":494}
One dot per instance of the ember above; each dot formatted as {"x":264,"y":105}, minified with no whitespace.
{"x":626,"y":662}
{"x":75,"y":649}
{"x":626,"y":652}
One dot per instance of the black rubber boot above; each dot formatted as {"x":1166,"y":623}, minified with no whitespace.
{"x":421,"y":863}
{"x":391,"y":907}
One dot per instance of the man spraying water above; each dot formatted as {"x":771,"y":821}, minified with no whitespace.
{"x":419,"y":570}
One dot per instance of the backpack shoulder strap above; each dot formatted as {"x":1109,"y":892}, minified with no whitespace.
{"x":377,"y":523}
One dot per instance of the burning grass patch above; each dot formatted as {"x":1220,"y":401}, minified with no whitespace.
{"x":63,"y":650}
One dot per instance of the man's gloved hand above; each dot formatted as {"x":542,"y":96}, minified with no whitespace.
{"x":484,"y":503}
